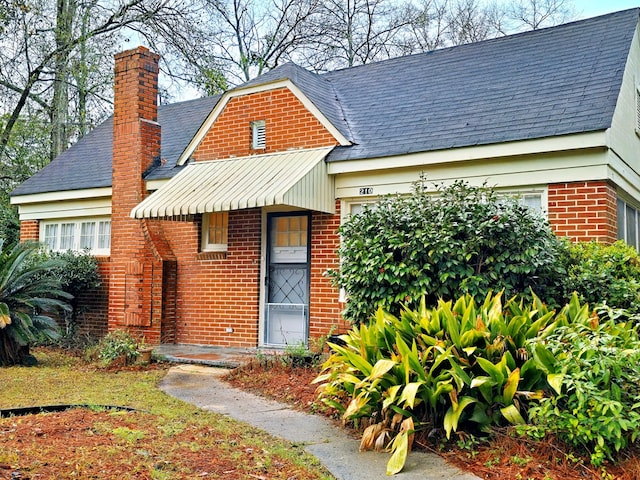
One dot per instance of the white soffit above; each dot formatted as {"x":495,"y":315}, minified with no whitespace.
{"x":296,"y":178}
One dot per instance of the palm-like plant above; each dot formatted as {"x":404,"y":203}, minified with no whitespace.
{"x":27,"y":295}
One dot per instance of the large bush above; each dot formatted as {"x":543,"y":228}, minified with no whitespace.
{"x":597,"y":406}
{"x":462,"y":240}
{"x":604,"y":273}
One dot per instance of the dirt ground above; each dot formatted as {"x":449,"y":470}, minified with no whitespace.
{"x":108,"y":445}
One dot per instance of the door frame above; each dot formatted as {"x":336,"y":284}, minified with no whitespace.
{"x":267,"y":214}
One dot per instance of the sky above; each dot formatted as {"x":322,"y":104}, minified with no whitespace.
{"x":593,"y":8}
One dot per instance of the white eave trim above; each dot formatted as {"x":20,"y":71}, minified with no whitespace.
{"x":222,"y":103}
{"x":61,"y":196}
{"x":578,"y":141}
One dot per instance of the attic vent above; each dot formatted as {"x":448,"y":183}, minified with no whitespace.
{"x":258,"y":135}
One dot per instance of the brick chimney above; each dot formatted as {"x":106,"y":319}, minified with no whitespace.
{"x":136,"y":145}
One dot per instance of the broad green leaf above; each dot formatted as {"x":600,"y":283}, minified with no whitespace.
{"x":452,"y":417}
{"x":392,"y":393}
{"x":482,"y":380}
{"x":555,"y":380}
{"x":511,"y":413}
{"x":511,"y":386}
{"x":409,"y":393}
{"x":493,"y":370}
{"x":544,"y":359}
{"x":5,"y":317}
{"x":381,"y":367}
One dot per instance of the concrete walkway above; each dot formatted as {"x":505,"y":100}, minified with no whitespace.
{"x":338,"y":451}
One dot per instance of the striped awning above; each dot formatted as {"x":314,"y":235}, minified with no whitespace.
{"x":296,"y":178}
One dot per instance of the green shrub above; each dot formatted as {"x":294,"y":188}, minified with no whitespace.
{"x":604,"y":273}
{"x":597,"y":406}
{"x":457,"y":365}
{"x":77,"y":272}
{"x":118,"y":346}
{"x":463,"y":240}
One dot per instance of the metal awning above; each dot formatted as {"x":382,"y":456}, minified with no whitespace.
{"x":296,"y":178}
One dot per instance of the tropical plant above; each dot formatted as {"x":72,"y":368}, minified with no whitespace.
{"x":462,"y":239}
{"x":458,"y":365}
{"x":26,"y":297}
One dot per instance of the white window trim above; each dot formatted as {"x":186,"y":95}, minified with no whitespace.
{"x":77,"y":229}
{"x":622,"y":228}
{"x":204,"y":241}
{"x":542,"y":191}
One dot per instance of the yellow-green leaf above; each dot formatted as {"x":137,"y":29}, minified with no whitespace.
{"x":511,"y":413}
{"x":511,"y":386}
{"x":409,"y":393}
{"x":381,"y":367}
{"x":452,"y":417}
{"x":400,"y":450}
{"x":555,"y":380}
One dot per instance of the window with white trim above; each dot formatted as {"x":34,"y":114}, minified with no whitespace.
{"x":628,"y":217}
{"x":535,"y":198}
{"x":90,"y":234}
{"x":215,"y":232}
{"x":258,"y":135}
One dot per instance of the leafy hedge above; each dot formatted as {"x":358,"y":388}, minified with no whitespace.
{"x":603,"y":273}
{"x":464,"y":240}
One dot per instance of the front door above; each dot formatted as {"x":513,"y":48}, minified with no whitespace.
{"x":287,"y":296}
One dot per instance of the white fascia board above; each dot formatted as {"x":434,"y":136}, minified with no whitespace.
{"x":79,"y":208}
{"x":153,"y":185}
{"x":579,"y":141}
{"x":222,"y":103}
{"x":624,"y":176}
{"x":61,"y":196}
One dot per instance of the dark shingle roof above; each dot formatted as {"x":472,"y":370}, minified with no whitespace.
{"x":555,"y":81}
{"x":87,"y":164}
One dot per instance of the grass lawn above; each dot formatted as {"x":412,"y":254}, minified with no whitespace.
{"x":163,"y":439}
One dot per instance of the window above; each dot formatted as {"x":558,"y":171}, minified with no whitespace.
{"x":628,"y":222}
{"x":87,"y":234}
{"x":215,"y":230}
{"x":290,"y":231}
{"x":258,"y":135}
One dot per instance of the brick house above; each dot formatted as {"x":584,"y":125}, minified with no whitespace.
{"x":215,"y":219}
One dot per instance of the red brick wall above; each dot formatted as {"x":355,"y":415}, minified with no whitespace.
{"x":583,"y":211}
{"x":136,"y":281}
{"x":288,"y":125}
{"x":29,"y":231}
{"x":94,"y":304}
{"x":217,"y":291}
{"x":324,"y":309}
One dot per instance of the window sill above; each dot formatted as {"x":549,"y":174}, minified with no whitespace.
{"x":212,"y":255}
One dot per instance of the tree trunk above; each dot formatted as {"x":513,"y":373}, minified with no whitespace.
{"x":10,"y":352}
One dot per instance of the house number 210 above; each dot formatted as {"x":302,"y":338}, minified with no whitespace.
{"x":366,"y":191}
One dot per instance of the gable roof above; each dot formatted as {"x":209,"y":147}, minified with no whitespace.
{"x":87,"y":164}
{"x":556,"y":81}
